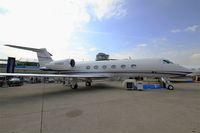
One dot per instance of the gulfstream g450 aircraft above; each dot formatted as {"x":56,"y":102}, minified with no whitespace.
{"x":72,"y":71}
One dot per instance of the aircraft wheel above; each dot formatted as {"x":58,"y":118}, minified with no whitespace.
{"x":170,"y":87}
{"x":88,"y":83}
{"x":75,"y":86}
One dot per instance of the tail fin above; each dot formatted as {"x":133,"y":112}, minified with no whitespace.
{"x":43,"y":55}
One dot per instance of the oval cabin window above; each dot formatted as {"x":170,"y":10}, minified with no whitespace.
{"x":113,"y":66}
{"x":123,"y":66}
{"x":87,"y":67}
{"x":133,"y":66}
{"x":104,"y":66}
{"x":96,"y":67}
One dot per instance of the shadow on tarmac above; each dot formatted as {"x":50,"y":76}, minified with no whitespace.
{"x":52,"y":92}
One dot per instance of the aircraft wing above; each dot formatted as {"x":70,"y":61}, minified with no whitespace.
{"x":86,"y":75}
{"x":194,"y":74}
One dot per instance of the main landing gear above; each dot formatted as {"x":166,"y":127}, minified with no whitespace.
{"x":73,"y":82}
{"x":88,"y":82}
{"x":74,"y":87}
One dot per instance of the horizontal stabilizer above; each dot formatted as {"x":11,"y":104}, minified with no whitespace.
{"x":44,"y":57}
{"x":26,"y":48}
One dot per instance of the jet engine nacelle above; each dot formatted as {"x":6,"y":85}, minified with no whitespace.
{"x":66,"y":64}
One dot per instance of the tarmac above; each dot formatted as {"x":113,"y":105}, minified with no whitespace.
{"x":105,"y":107}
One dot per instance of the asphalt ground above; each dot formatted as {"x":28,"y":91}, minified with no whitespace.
{"x":105,"y":107}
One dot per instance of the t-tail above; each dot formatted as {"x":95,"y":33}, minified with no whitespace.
{"x":44,"y":57}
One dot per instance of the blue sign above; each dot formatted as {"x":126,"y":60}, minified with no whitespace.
{"x":10,"y":65}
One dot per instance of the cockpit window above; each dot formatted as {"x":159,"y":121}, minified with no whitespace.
{"x":167,"y":62}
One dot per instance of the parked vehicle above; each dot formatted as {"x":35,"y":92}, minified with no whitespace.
{"x":15,"y":82}
{"x":2,"y":81}
{"x":51,"y":80}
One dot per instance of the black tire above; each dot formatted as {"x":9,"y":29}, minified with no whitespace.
{"x":74,"y":87}
{"x":87,"y":83}
{"x":170,"y":87}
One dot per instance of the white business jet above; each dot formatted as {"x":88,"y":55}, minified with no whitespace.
{"x":72,"y":71}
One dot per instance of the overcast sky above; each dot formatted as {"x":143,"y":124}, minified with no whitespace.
{"x":80,"y":29}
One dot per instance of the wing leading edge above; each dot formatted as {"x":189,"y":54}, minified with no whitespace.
{"x":91,"y":75}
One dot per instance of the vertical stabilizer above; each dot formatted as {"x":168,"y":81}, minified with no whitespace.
{"x":43,"y":55}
